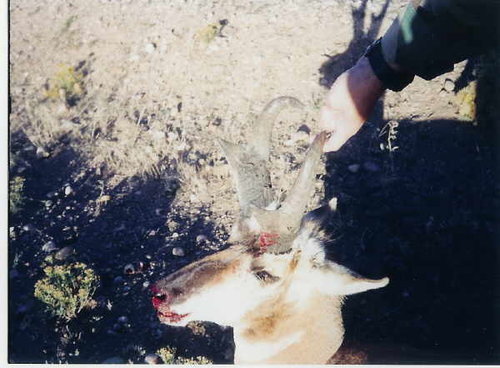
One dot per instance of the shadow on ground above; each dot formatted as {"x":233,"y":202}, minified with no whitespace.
{"x":107,"y":229}
{"x":426,"y":216}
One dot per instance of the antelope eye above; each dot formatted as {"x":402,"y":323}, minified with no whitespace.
{"x":265,"y":276}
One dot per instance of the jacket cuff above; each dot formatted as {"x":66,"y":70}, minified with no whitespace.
{"x":413,"y":43}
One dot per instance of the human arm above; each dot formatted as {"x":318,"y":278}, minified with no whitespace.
{"x":426,"y":40}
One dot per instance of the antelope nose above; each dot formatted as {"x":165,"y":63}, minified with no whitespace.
{"x":159,"y":297}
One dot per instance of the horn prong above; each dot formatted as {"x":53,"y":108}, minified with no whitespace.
{"x":295,"y":203}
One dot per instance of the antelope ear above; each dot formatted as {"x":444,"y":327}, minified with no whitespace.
{"x":320,"y":215}
{"x":342,"y":281}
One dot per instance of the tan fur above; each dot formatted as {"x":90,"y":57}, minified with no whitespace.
{"x":319,"y":324}
{"x":267,"y":319}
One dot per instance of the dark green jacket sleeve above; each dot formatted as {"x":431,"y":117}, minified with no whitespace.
{"x":430,"y":36}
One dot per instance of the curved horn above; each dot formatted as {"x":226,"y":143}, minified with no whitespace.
{"x":260,"y":142}
{"x":291,"y":212}
{"x":248,"y":163}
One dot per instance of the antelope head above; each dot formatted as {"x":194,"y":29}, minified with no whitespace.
{"x":273,"y":285}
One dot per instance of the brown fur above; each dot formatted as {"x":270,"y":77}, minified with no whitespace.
{"x":320,"y":336}
{"x":207,"y":271}
{"x":265,"y":320}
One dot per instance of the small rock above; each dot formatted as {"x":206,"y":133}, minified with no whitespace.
{"x":153,"y":359}
{"x":172,"y":225}
{"x":354,"y":168}
{"x":333,"y":203}
{"x":114,"y":360}
{"x":143,"y":266}
{"x":175,"y":235}
{"x":68,"y":190}
{"x":146,"y":284}
{"x":52,"y":194}
{"x":28,"y":227}
{"x":449,"y":85}
{"x":12,"y":232}
{"x":50,"y":246}
{"x":201,"y":238}
{"x":371,"y":166}
{"x":150,"y":48}
{"x":178,"y":251}
{"x":123,"y":319}
{"x":64,"y":253}
{"x":304,"y":128}
{"x":41,"y":153}
{"x":217,"y":121}
{"x":129,"y":269}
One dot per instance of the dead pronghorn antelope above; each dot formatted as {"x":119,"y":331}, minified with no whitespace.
{"x":273,"y":285}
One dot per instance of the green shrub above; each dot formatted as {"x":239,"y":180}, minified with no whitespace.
{"x":169,"y":356}
{"x":67,"y":289}
{"x":67,"y":84}
{"x":16,"y":199}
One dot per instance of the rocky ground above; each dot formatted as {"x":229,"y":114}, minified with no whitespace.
{"x":114,"y":106}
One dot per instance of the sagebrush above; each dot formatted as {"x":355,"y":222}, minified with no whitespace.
{"x":169,"y":356}
{"x":67,"y":289}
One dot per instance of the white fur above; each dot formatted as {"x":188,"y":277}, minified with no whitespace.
{"x":254,"y":352}
{"x":226,"y":302}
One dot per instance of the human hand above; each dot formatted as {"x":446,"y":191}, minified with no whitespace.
{"x":349,"y":103}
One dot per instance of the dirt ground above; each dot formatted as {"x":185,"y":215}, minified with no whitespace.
{"x":114,"y":107}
